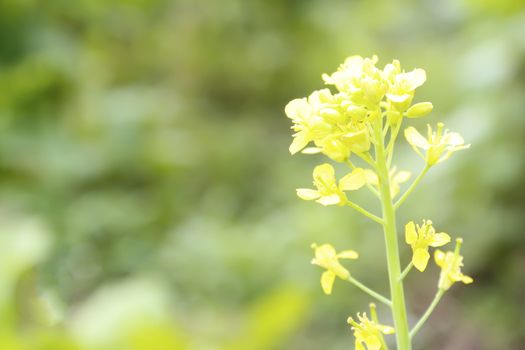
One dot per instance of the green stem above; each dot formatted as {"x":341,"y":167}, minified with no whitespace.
{"x":373,"y":315}
{"x":392,"y":142}
{"x":411,"y":188}
{"x":367,"y":158}
{"x":365,"y":212}
{"x":369,"y":291}
{"x":406,"y":271}
{"x":389,"y":228}
{"x":427,"y":313}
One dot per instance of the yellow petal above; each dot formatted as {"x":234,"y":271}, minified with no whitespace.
{"x":466,"y":279}
{"x":325,"y":172}
{"x":398,"y":98}
{"x":372,"y":343}
{"x":348,"y":254}
{"x":416,"y":78}
{"x":386,"y":329}
{"x":307,"y":194}
{"x":327,"y":282}
{"x":324,"y":253}
{"x":299,"y":142}
{"x":329,"y":200}
{"x":353,"y":181}
{"x":410,"y":233}
{"x":297,"y":108}
{"x":439,"y":258}
{"x":311,"y":150}
{"x":339,"y":270}
{"x":402,"y":176}
{"x":414,"y":138}
{"x":455,"y":139}
{"x":359,"y":345}
{"x":371,"y":177}
{"x":420,"y":259}
{"x":440,"y":239}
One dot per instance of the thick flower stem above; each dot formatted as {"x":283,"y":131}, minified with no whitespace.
{"x":389,"y":227}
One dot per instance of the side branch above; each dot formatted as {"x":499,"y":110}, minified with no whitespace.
{"x":411,"y":188}
{"x":369,"y":291}
{"x":427,"y":313}
{"x":406,"y":271}
{"x":365,"y":212}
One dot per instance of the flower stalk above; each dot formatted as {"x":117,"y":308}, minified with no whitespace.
{"x":392,"y":250}
{"x":363,"y":119}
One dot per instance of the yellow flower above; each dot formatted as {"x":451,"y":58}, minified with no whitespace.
{"x":403,"y":85}
{"x":334,"y":124}
{"x":307,"y":123}
{"x":451,"y":263}
{"x":327,"y":258}
{"x":340,"y":145}
{"x":438,"y":145}
{"x":329,"y":192}
{"x":422,"y":237}
{"x":396,"y":178}
{"x":359,"y":78}
{"x":368,"y":332}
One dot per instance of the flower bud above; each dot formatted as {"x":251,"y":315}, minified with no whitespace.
{"x":420,"y":109}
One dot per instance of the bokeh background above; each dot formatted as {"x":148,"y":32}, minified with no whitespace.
{"x":147,"y":196}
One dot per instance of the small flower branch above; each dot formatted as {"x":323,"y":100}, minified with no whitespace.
{"x":427,"y":313}
{"x":406,"y":271}
{"x":392,"y":142}
{"x":365,"y":212}
{"x":368,"y":159}
{"x":412,"y":187}
{"x":369,"y":291}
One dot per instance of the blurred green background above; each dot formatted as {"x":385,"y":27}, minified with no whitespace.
{"x":147,"y":196}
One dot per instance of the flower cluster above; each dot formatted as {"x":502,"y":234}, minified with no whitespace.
{"x":362,"y":117}
{"x":338,"y":124}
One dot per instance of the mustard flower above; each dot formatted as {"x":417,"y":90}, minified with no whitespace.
{"x":368,"y":332}
{"x":327,"y":258}
{"x":360,"y":79}
{"x":339,"y":146}
{"x":396,"y":179}
{"x":438,"y":145}
{"x":403,"y":85}
{"x":335,"y":126}
{"x":420,"y":238}
{"x":307,"y":123}
{"x":451,"y":263}
{"x":328,"y":191}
